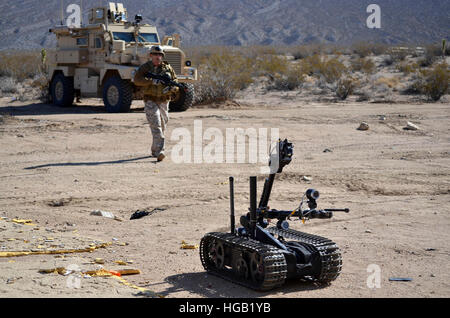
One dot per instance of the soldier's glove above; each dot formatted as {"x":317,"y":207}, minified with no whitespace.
{"x":170,"y":89}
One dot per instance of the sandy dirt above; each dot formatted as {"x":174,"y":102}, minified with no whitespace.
{"x":60,"y":164}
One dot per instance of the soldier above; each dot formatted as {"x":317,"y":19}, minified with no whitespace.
{"x":156,"y":97}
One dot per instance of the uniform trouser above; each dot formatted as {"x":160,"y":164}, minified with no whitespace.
{"x":158,"y":116}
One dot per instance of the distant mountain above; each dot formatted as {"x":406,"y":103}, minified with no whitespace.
{"x":25,"y":23}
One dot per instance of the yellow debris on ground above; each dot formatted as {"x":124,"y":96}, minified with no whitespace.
{"x":68,"y":251}
{"x":26,"y":222}
{"x":105,"y":272}
{"x":186,"y":246}
{"x":129,"y":271}
{"x":120,"y":262}
{"x":59,"y":270}
{"x":144,"y":291}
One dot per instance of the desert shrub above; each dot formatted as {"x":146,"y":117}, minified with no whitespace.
{"x":291,"y":79}
{"x":414,"y":86}
{"x":222,"y":75}
{"x":407,"y":68}
{"x":7,"y":85}
{"x":363,"y":65}
{"x":270,"y":65}
{"x":303,"y":51}
{"x":390,"y":82}
{"x":256,"y":51}
{"x":330,"y":69}
{"x":426,"y":61}
{"x":345,"y":86}
{"x":21,"y":65}
{"x":437,"y":50}
{"x":398,"y":55}
{"x":434,"y":83}
{"x":41,"y":84}
{"x":333,"y":69}
{"x":364,"y":49}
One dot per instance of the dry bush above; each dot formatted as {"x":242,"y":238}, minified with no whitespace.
{"x":21,"y":65}
{"x":345,"y":86}
{"x":434,"y":83}
{"x":398,"y":55}
{"x":222,"y":75}
{"x":23,"y":74}
{"x":408,"y":68}
{"x":364,"y":49}
{"x":291,"y":79}
{"x":363,"y":65}
{"x":7,"y":85}
{"x":270,"y":65}
{"x":390,"y":82}
{"x":331,"y":69}
{"x":426,"y":61}
{"x":42,"y":89}
{"x":436,"y":50}
{"x":303,"y":51}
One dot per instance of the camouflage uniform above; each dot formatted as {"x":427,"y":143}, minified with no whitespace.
{"x":156,"y":97}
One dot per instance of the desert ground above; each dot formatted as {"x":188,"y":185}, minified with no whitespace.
{"x":60,"y":164}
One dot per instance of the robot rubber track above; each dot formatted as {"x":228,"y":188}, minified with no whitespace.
{"x":222,"y":255}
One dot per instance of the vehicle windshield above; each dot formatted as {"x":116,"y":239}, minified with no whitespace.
{"x":129,"y":37}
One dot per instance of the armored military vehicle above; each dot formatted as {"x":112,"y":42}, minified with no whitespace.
{"x":99,"y":59}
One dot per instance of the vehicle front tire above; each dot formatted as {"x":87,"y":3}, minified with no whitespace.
{"x":185,"y":99}
{"x":117,"y":95}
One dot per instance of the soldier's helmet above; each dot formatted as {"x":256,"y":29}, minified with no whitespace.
{"x":157,"y":49}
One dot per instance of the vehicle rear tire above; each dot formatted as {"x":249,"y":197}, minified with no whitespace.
{"x":185,"y":99}
{"x":117,"y":95}
{"x":62,"y":90}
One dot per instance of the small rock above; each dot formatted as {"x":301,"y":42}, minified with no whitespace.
{"x":363,"y":126}
{"x":328,"y":150}
{"x":382,"y":117}
{"x":411,"y":126}
{"x":432,"y":275}
{"x":19,"y":136}
{"x":368,"y":231}
{"x":305,"y":178}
